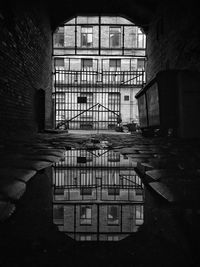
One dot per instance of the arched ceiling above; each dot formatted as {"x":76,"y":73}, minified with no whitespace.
{"x":139,"y":11}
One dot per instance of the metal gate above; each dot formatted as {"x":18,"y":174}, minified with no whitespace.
{"x":89,"y":99}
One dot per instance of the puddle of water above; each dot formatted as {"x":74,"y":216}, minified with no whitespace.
{"x":97,"y":196}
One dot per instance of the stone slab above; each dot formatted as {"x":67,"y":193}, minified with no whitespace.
{"x":19,"y":174}
{"x":143,"y":167}
{"x":161,"y":174}
{"x":31,"y":164}
{"x":49,"y":158}
{"x":127,"y":150}
{"x":6,"y":210}
{"x":12,"y":189}
{"x":50,"y":152}
{"x":163,"y":190}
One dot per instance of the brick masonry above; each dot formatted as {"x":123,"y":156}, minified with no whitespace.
{"x":172,"y":39}
{"x":25,"y":56}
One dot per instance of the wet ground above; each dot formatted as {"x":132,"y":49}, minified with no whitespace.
{"x":153,"y":181}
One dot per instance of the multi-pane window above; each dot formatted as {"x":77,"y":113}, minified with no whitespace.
{"x":85,"y":215}
{"x":141,"y":39}
{"x":115,"y":37}
{"x":113,"y":215}
{"x":86,"y":36}
{"x":59,"y":37}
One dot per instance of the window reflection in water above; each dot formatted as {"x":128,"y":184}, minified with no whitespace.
{"x":97,"y":196}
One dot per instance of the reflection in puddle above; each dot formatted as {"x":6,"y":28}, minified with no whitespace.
{"x":97,"y":196}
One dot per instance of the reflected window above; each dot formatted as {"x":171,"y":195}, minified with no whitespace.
{"x":81,"y":160}
{"x":113,"y":215}
{"x":113,"y":238}
{"x":86,"y":215}
{"x":81,"y":99}
{"x":113,"y":191}
{"x":113,"y":157}
{"x":85,"y":237}
{"x":86,"y":36}
{"x":58,"y":214}
{"x":139,"y":214}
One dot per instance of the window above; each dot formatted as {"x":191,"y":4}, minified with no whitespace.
{"x":85,"y":215}
{"x":140,"y":64}
{"x":115,"y":67}
{"x":115,"y":37}
{"x":86,"y":36}
{"x":126,"y":98}
{"x":86,"y":64}
{"x":141,"y":39}
{"x":59,"y":62}
{"x":113,"y":215}
{"x":113,"y":191}
{"x":59,"y":37}
{"x":115,"y":64}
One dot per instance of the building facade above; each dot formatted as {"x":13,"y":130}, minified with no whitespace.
{"x":99,"y":66}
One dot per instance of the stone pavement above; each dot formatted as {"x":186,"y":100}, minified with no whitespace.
{"x":168,"y":166}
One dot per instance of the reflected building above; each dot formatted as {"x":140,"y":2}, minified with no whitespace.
{"x":97,"y":196}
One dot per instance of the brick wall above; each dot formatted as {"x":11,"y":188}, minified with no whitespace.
{"x":173,"y":38}
{"x":25,"y":68}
